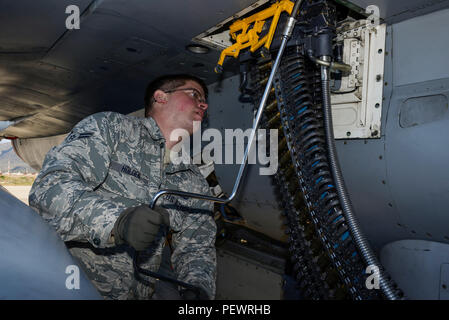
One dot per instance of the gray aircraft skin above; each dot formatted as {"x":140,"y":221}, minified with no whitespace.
{"x":53,"y":74}
{"x":35,"y":263}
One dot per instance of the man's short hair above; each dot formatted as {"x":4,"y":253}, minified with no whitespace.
{"x":168,"y":82}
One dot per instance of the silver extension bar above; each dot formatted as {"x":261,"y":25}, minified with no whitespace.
{"x":285,"y":37}
{"x":332,"y":65}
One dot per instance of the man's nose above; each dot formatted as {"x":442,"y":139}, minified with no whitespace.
{"x":203,"y":105}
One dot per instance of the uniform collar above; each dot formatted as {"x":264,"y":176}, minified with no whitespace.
{"x":156,"y":133}
{"x":153,"y":129}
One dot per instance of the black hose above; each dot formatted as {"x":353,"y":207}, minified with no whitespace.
{"x":362,"y":244}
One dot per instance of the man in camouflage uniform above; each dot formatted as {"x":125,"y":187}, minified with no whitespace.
{"x":95,"y":187}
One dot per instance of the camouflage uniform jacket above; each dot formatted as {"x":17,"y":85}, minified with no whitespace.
{"x":110,"y":162}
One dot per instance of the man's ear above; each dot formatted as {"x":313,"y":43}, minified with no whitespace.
{"x":160,"y":96}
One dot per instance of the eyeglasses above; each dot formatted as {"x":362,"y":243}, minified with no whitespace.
{"x":194,"y":93}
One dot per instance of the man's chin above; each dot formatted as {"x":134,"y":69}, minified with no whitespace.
{"x":197,"y":117}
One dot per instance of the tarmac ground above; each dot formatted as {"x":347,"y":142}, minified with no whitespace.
{"x":20,"y":192}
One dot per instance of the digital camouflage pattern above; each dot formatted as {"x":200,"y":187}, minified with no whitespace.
{"x":110,"y":162}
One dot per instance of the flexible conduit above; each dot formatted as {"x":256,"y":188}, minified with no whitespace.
{"x":362,"y":244}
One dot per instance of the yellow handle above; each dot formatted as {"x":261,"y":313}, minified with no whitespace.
{"x":249,"y":37}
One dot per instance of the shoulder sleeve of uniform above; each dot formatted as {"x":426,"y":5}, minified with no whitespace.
{"x":64,"y":191}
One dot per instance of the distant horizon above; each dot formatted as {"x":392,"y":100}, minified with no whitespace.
{"x":10,"y":161}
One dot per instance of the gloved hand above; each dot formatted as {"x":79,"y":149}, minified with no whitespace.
{"x":138,"y":226}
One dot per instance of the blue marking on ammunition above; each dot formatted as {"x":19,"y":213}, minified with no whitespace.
{"x":323,"y":195}
{"x":316,"y":162}
{"x":345,"y":236}
{"x":318,"y":180}
{"x":297,"y":87}
{"x":338,"y":218}
{"x":302,"y":110}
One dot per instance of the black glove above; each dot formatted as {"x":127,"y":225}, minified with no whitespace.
{"x":190,"y":294}
{"x":138,"y":226}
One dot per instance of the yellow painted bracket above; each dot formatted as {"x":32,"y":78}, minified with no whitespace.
{"x":246,"y":31}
